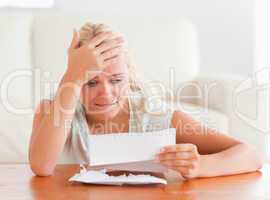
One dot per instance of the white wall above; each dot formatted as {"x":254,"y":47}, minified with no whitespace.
{"x":263,"y":59}
{"x":226,"y":27}
{"x":262,"y":33}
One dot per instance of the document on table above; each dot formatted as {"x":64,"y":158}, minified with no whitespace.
{"x":127,"y":152}
{"x":100,"y":177}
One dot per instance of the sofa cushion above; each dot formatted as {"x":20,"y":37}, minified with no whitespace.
{"x":14,"y":139}
{"x":15,"y":62}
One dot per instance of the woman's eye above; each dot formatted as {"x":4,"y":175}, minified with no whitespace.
{"x":116,"y":81}
{"x":91,"y":83}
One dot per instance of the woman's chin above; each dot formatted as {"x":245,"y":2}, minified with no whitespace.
{"x":108,"y":113}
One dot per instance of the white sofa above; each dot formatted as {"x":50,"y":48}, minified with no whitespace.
{"x":32,"y":43}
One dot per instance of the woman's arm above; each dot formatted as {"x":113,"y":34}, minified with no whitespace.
{"x":204,"y":152}
{"x":237,"y":159}
{"x":51,"y":127}
{"x":52,"y":120}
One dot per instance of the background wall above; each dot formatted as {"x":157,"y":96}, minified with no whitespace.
{"x":262,"y":33}
{"x":225,"y":27}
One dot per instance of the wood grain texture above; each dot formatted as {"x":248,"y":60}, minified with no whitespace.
{"x":18,"y":182}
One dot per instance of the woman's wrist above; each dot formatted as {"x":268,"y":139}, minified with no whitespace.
{"x":67,"y":94}
{"x":72,"y":77}
{"x":70,"y":84}
{"x":207,"y":165}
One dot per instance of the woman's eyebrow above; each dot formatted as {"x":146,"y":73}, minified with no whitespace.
{"x":117,"y":74}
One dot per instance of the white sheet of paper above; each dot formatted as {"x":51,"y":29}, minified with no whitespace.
{"x":129,"y":147}
{"x":100,"y":177}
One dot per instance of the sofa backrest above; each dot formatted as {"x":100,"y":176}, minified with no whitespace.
{"x":161,"y":47}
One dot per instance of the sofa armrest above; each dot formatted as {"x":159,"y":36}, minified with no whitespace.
{"x":215,"y":92}
{"x":236,"y":97}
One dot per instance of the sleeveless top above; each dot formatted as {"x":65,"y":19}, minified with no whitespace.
{"x":77,"y":146}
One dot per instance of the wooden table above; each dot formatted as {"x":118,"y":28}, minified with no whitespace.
{"x":18,"y":182}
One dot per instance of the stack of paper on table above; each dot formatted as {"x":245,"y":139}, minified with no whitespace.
{"x":128,"y":152}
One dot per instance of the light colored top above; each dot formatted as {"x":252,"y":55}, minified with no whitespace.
{"x":77,"y":144}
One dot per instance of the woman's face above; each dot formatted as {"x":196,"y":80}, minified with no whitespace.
{"x":106,"y":94}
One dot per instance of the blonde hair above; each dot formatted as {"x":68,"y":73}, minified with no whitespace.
{"x":90,"y":30}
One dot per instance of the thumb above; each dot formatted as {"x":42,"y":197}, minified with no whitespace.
{"x":75,"y":40}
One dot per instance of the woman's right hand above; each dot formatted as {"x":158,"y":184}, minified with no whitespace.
{"x":86,"y":61}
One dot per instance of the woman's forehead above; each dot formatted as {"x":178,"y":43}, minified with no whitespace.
{"x":115,"y":69}
{"x":118,"y":66}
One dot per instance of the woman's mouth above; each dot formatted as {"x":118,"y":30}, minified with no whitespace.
{"x":105,"y":105}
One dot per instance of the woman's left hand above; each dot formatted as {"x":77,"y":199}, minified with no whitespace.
{"x":183,"y":158}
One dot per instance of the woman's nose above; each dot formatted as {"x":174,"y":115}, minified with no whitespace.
{"x":105,"y":89}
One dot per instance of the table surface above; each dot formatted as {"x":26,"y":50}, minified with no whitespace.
{"x":17,"y":181}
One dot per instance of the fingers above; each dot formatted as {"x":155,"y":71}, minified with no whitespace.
{"x":187,"y":168}
{"x":177,"y":155}
{"x":110,"y":44}
{"x":111,"y":61}
{"x":183,"y":158}
{"x":186,"y":172}
{"x":112,"y":53}
{"x":178,"y":148}
{"x":95,"y":41}
{"x":178,"y":163}
{"x":75,"y":40}
{"x":105,"y":48}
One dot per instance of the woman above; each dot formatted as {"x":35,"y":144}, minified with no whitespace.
{"x":99,"y":93}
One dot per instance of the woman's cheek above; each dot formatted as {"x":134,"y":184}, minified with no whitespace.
{"x":123,"y":87}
